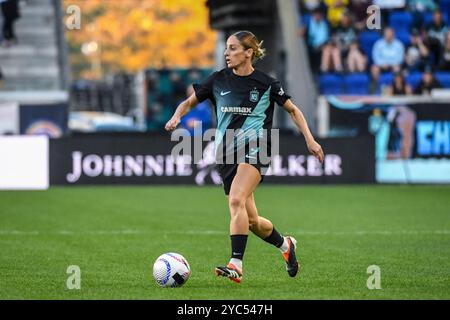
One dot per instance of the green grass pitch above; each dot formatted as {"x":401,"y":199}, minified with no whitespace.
{"x":114,"y":234}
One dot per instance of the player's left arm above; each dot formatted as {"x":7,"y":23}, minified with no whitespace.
{"x":300,"y":121}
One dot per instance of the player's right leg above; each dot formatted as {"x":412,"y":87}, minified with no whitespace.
{"x":244,"y":183}
{"x":265,"y":230}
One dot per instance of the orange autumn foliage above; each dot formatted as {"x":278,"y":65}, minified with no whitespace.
{"x":137,"y":34}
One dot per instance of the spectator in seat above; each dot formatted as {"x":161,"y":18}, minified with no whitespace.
{"x":388,"y":54}
{"x":358,"y":8}
{"x":417,"y":53}
{"x":399,"y":86}
{"x":356,"y":60}
{"x":10,"y":12}
{"x":331,"y":56}
{"x":339,"y":47}
{"x":308,"y":6}
{"x":445,"y":56}
{"x":418,"y":8}
{"x":317,"y":34}
{"x":345,"y":33}
{"x":428,"y":83}
{"x":435,"y":36}
{"x":336,"y":9}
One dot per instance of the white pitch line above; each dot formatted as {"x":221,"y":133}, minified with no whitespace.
{"x":218,"y":232}
{"x":19,"y":233}
{"x":372,"y":232}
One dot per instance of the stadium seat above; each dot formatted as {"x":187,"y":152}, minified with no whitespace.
{"x":445,"y":6}
{"x":443,"y":78}
{"x":304,"y":19}
{"x":384,"y":80}
{"x":404,"y":37}
{"x":428,"y":16}
{"x":413,"y":79}
{"x":367,"y":39}
{"x":330,"y":83}
{"x":400,"y":21}
{"x":357,"y":83}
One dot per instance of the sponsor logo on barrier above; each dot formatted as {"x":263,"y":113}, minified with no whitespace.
{"x":301,"y":165}
{"x":93,"y":165}
{"x":138,"y":160}
{"x":44,"y":127}
{"x":433,"y":138}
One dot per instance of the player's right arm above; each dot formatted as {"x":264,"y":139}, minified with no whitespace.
{"x":181,"y":111}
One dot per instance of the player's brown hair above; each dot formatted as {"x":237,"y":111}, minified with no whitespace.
{"x":249,"y":41}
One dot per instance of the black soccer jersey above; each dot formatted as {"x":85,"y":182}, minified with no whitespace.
{"x":241,"y":102}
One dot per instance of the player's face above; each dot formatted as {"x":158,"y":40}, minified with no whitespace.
{"x":235,"y":54}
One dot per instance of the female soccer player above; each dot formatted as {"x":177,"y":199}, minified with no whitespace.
{"x":244,"y":99}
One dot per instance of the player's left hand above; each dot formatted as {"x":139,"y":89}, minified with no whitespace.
{"x":316,"y":150}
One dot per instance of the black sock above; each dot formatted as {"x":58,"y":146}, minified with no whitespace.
{"x":275,"y":238}
{"x":238,"y":244}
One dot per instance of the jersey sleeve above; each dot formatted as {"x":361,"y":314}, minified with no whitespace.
{"x":277,"y":93}
{"x":204,"y":90}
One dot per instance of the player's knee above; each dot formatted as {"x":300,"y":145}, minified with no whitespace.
{"x":253,"y":222}
{"x":236,"y":202}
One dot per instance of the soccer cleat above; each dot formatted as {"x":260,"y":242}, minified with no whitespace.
{"x":290,"y":258}
{"x":230,"y":271}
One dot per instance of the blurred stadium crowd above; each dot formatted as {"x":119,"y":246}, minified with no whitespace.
{"x":167,"y":89}
{"x":409,"y":54}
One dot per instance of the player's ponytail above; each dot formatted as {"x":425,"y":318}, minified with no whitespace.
{"x":249,"y":41}
{"x":260,"y":51}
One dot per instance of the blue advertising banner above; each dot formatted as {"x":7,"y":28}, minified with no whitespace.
{"x":412,"y":139}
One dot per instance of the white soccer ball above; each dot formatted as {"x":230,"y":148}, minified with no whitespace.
{"x":171,"y":270}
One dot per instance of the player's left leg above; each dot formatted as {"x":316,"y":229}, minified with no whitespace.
{"x":244,"y":183}
{"x":264,"y":229}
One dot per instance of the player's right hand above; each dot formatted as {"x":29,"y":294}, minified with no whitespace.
{"x":172,"y":123}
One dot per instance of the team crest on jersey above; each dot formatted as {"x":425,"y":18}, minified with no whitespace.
{"x":254,"y":95}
